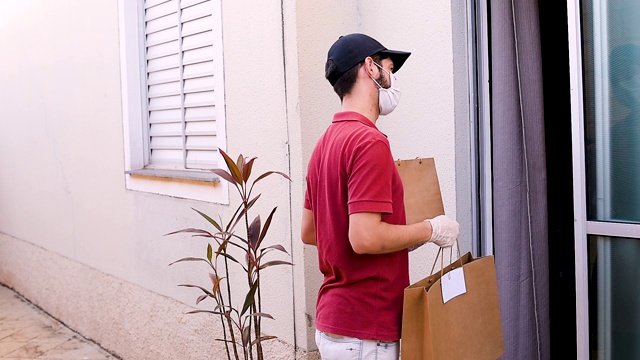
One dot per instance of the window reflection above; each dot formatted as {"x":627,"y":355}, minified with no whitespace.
{"x":612,"y":127}
{"x":625,"y":133}
{"x":614,"y":275}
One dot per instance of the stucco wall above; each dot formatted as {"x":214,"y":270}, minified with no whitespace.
{"x":66,"y":218}
{"x":124,"y":318}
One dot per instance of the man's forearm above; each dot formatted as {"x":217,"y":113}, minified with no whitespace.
{"x":368,"y":234}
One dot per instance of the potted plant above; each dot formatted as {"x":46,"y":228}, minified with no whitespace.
{"x":227,"y":242}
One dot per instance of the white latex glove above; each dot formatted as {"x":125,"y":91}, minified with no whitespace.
{"x":444,"y":231}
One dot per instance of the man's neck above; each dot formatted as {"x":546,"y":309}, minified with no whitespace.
{"x":362,"y":102}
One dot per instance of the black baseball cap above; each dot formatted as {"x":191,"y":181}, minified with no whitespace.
{"x":349,"y":50}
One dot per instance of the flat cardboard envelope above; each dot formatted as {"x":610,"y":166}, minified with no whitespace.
{"x":422,"y":197}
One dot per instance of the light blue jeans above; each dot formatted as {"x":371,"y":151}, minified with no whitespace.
{"x":333,"y":347}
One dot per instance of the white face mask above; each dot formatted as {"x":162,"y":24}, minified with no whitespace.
{"x":387,"y":98}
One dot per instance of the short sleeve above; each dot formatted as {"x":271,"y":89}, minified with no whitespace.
{"x":307,"y":200}
{"x":371,"y":178}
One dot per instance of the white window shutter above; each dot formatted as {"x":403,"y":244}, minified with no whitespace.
{"x":181,"y":106}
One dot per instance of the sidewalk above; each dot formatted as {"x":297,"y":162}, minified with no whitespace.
{"x":27,"y":332}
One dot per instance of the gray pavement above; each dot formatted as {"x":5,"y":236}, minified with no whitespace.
{"x":26,"y":332}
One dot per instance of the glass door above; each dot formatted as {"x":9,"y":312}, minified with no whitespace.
{"x":605,"y":77}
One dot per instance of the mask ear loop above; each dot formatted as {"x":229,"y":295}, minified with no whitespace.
{"x":378,"y":84}
{"x":392,"y":78}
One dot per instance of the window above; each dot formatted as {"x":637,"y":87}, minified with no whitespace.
{"x":173,"y":96}
{"x":611,"y":80}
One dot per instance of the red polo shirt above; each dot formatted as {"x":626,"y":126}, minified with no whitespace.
{"x":352,"y":170}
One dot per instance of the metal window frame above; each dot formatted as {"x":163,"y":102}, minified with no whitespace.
{"x":480,"y":106}
{"x":579,"y":178}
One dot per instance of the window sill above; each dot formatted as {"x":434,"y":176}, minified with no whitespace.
{"x":193,"y":185}
{"x":204,"y":176}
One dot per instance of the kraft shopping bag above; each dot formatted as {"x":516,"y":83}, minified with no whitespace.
{"x":467,"y":326}
{"x":422,"y":197}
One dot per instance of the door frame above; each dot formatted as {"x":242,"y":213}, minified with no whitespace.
{"x":579,"y":179}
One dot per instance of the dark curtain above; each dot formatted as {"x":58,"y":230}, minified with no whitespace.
{"x":519,"y":178}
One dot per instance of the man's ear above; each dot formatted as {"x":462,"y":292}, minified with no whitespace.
{"x":369,"y":66}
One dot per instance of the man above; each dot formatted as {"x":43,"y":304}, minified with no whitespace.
{"x":354,"y":209}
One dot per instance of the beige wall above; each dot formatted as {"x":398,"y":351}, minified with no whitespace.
{"x":64,"y":208}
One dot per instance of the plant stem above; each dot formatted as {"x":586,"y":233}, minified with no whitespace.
{"x":228,"y":316}
{"x":224,"y":336}
{"x":220,"y":301}
{"x":258,"y":318}
{"x":250,"y":319}
{"x":249,"y":279}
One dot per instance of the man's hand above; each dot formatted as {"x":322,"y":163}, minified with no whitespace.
{"x":444,"y":231}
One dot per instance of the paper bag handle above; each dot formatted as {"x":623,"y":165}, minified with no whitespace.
{"x":441,"y":255}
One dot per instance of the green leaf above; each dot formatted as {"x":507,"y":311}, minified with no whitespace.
{"x":246,"y":335}
{"x":226,"y":313}
{"x":264,"y":338}
{"x":223,"y":236}
{"x":209,"y":252}
{"x":266,"y":250}
{"x":215,"y":280}
{"x":249,"y":299}
{"x":225,"y":255}
{"x":236,"y":244}
{"x":266,"y":227}
{"x":246,"y":170}
{"x":253,"y":201}
{"x":192,"y":230}
{"x":222,"y":248}
{"x":199,"y":287}
{"x":240,"y":163}
{"x":240,"y":215}
{"x":242,"y":240}
{"x":276,"y":247}
{"x":229,"y":257}
{"x":209,"y":219}
{"x":204,"y":311}
{"x":270,"y":173}
{"x":227,"y":341}
{"x":274,"y":262}
{"x":248,"y":258}
{"x":234,"y":219}
{"x":224,"y":174}
{"x":253,"y":233}
{"x":233,"y":168}
{"x":262,"y":315}
{"x":191,"y":259}
{"x":221,"y":252}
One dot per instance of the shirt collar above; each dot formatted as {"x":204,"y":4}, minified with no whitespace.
{"x":353,"y":116}
{"x":345,"y":116}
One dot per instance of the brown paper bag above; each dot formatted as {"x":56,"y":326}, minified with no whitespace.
{"x":422,"y":198}
{"x":466,"y":327}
